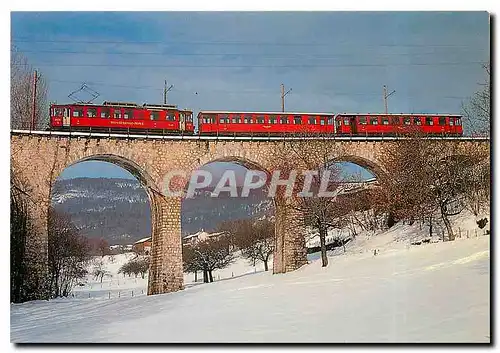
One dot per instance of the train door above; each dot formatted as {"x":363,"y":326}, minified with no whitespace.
{"x":66,"y":117}
{"x":354,"y":125}
{"x":182,"y":122}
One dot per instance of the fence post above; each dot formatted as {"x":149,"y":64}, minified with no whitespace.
{"x":459,"y":232}
{"x":132,"y":293}
{"x":475,"y":232}
{"x":467,"y":234}
{"x":118,"y":294}
{"x":109,"y":295}
{"x":89,"y":294}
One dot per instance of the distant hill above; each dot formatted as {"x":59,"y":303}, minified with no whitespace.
{"x":118,"y":209}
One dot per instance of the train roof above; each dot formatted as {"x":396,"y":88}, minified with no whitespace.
{"x":248,"y":112}
{"x":315,"y":113}
{"x":126,"y":105}
{"x":400,"y":114}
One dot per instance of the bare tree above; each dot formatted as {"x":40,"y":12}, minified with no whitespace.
{"x":27,"y":278}
{"x":103,"y":248}
{"x":477,"y":177}
{"x":22,"y":93}
{"x":99,"y":270}
{"x":315,"y":207}
{"x":427,"y":176}
{"x":208,"y":255}
{"x":477,"y":110}
{"x":143,"y":265}
{"x":125,"y":269}
{"x":68,"y":254}
{"x":341,"y":237}
{"x":255,"y":239}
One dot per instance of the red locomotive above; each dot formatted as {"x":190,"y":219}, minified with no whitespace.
{"x":248,"y":123}
{"x":122,"y":117}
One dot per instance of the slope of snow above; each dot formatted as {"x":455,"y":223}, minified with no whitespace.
{"x":437,"y":292}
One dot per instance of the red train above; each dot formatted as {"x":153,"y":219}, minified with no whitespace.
{"x":163,"y":118}
{"x":237,"y":123}
{"x":122,"y":117}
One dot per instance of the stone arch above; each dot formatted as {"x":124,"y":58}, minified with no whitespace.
{"x":380,"y":174}
{"x":289,"y":247}
{"x":165,"y":273}
{"x":129,"y":165}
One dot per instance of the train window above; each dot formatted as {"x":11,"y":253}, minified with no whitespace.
{"x":128,"y":114}
{"x":207,"y":119}
{"x":452,"y":122}
{"x":154,"y":115}
{"x":417,"y":121}
{"x":104,"y":113}
{"x":260,"y":119}
{"x":236,"y":120}
{"x":406,"y":121}
{"x":374,"y":120}
{"x":442,"y":120}
{"x":170,"y":116}
{"x":362,"y":120}
{"x":429,"y":121}
{"x":330,"y":121}
{"x":395,"y":120}
{"x":322,"y":121}
{"x":273,"y":120}
{"x":346,"y":121}
{"x":283,"y":120}
{"x":58,"y":112}
{"x":91,"y":112}
{"x":189,"y":118}
{"x":312,"y":121}
{"x":77,"y":113}
{"x":385,"y":121}
{"x":117,"y":114}
{"x":297,"y":120}
{"x":458,"y":122}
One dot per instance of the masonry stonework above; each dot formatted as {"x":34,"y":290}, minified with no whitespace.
{"x":38,"y":160}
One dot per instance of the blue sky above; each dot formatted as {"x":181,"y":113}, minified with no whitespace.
{"x":333,"y":61}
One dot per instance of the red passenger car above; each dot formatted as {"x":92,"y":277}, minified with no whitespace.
{"x":121,"y":117}
{"x":398,"y":124}
{"x":263,"y":123}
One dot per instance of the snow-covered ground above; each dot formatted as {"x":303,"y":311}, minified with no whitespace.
{"x":116,"y":285}
{"x":436,"y":292}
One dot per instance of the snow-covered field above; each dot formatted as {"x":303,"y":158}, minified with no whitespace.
{"x":116,"y":285}
{"x":436,"y":292}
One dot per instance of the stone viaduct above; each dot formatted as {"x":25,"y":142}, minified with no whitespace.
{"x":37,"y":159}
